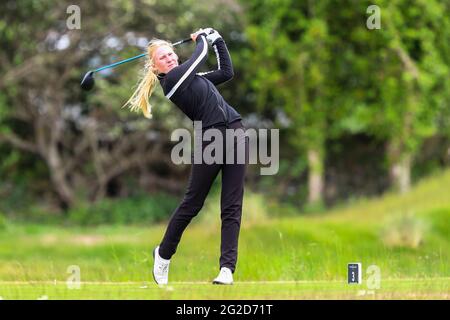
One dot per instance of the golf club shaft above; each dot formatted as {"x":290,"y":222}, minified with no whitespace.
{"x":120,"y":62}
{"x":136,"y":57}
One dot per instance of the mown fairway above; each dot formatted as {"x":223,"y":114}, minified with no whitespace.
{"x":433,"y":288}
{"x":300,"y":257}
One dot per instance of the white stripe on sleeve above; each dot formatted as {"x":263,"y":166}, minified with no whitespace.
{"x":218,"y":63}
{"x":217,"y":56}
{"x":191,"y":68}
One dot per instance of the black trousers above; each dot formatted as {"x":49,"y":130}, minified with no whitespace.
{"x":201,"y":178}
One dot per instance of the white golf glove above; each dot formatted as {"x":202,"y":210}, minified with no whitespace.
{"x":205,"y":30}
{"x":212,"y":36}
{"x":208,"y":30}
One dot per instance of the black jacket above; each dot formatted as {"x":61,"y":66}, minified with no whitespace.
{"x":195,"y":93}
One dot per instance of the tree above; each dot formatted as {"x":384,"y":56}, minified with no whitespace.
{"x":413,"y":76}
{"x":87,"y":142}
{"x":292,"y":43}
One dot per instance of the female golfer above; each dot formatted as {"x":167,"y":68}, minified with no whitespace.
{"x":196,"y":95}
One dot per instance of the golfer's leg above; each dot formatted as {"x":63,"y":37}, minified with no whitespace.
{"x":233,"y":176}
{"x":201,"y":178}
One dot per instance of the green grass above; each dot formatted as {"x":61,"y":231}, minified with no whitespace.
{"x":390,"y":289}
{"x":296,"y":257}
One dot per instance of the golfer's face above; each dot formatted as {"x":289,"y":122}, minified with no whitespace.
{"x":165,"y":59}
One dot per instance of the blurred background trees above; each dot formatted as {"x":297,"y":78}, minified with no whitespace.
{"x":360,"y":111}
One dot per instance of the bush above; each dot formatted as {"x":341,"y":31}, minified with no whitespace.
{"x":2,"y":222}
{"x":142,"y":209}
{"x":255,"y":209}
{"x":405,"y":231}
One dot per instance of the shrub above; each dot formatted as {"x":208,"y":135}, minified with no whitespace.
{"x":2,"y":222}
{"x":404,"y":231}
{"x":255,"y":209}
{"x":142,"y":209}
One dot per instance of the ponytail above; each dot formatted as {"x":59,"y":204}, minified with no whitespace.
{"x":140,"y":99}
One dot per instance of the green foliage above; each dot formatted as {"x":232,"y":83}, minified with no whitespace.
{"x":314,"y":208}
{"x":256,"y":209}
{"x":407,"y":92}
{"x":313,"y":61}
{"x":404,"y":231}
{"x":133,"y":210}
{"x":2,"y":222}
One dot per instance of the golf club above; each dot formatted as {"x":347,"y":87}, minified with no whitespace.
{"x":88,"y":81}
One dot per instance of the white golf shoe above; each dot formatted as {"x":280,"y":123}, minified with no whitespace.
{"x":225,"y":276}
{"x":160,"y":268}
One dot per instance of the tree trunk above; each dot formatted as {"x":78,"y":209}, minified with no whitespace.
{"x":315,"y":177}
{"x":48,"y":131}
{"x":401,"y":173}
{"x":399,"y":168}
{"x":59,"y":179}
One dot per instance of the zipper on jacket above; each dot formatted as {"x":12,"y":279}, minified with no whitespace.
{"x":221,"y":108}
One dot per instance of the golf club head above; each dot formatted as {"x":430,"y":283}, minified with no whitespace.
{"x":88,"y":81}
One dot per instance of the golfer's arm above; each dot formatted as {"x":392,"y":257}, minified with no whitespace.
{"x":181,"y":76}
{"x":224,"y":70}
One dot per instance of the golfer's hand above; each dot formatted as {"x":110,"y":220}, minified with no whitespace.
{"x":212,"y":36}
{"x":201,"y":30}
{"x":195,"y":34}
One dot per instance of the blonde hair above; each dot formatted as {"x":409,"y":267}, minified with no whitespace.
{"x":140,"y":99}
